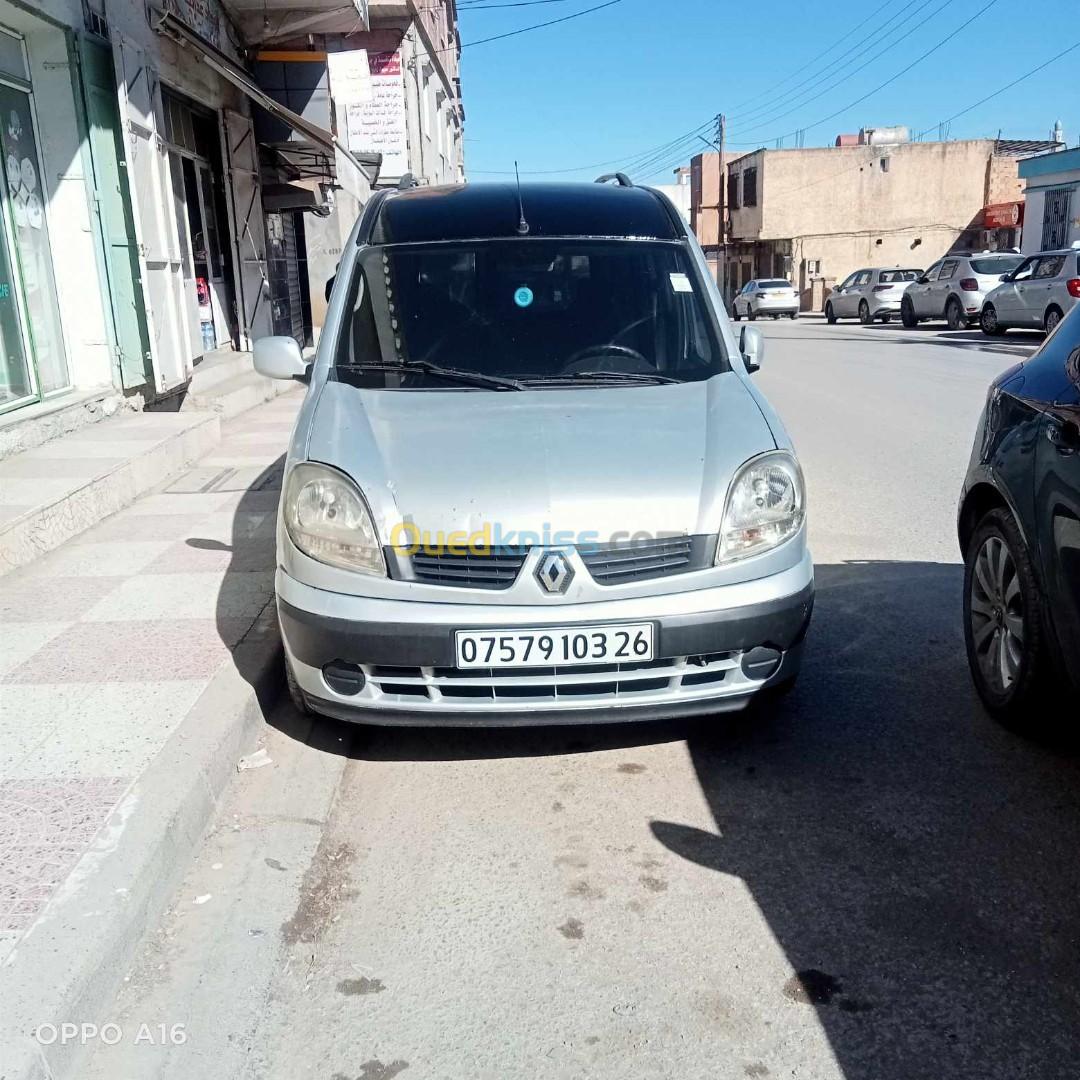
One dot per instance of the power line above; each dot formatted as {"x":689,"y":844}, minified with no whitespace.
{"x":1001,"y":90}
{"x":482,"y":5}
{"x":535,"y":26}
{"x":882,"y":31}
{"x":881,"y":86}
{"x":765,"y":121}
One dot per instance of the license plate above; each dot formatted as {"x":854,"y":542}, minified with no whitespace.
{"x":555,"y":645}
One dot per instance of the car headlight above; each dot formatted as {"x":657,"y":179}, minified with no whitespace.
{"x":766,"y":505}
{"x":327,"y":519}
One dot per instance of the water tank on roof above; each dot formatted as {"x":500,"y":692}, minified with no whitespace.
{"x":884,"y":136}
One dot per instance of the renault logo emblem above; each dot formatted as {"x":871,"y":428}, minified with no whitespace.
{"x":554,"y":572}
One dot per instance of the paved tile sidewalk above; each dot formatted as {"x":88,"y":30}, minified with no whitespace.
{"x":108,"y":642}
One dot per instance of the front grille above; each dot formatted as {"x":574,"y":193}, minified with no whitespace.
{"x":599,"y":682}
{"x":639,"y":560}
{"x":497,"y":569}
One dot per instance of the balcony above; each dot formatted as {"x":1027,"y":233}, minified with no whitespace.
{"x":262,"y":22}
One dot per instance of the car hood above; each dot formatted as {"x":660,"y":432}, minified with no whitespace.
{"x":595,"y":461}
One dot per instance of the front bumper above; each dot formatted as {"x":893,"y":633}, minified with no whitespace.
{"x":715,"y":649}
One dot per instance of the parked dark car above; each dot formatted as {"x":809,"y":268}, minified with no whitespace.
{"x":1019,"y":527}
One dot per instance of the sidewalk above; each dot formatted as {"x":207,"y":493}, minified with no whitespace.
{"x":125,"y":702}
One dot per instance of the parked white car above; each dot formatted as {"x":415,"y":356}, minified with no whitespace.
{"x":955,"y":287}
{"x":873,"y":293}
{"x":1039,"y":293}
{"x":770,"y":296}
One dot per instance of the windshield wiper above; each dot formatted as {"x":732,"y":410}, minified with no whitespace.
{"x":614,"y":376}
{"x":476,"y":378}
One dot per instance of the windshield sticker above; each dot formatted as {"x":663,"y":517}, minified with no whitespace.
{"x":523,"y":296}
{"x":680,"y":283}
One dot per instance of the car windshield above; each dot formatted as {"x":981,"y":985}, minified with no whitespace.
{"x":605,"y":312}
{"x":774,"y":284}
{"x":890,"y":277}
{"x":998,"y":264}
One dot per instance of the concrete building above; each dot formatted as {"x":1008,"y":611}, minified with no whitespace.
{"x":179,"y":176}
{"x":1052,"y":200}
{"x":814,"y":215}
{"x":679,"y":192}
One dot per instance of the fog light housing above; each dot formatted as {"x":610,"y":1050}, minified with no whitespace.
{"x":344,"y":678}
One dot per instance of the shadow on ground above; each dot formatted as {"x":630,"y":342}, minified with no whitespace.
{"x":916,"y":863}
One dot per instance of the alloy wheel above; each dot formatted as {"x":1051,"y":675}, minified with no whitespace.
{"x":996,"y":612}
{"x":1053,"y":317}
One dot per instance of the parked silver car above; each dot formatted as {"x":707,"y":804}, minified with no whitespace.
{"x":769,"y":296}
{"x":870,"y":294}
{"x":1037,"y":294}
{"x":954,"y":288}
{"x":532,"y":480}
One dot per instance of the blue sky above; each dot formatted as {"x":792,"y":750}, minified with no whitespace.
{"x":634,"y":76}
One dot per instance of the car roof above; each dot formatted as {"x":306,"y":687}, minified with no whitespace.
{"x":490,"y":211}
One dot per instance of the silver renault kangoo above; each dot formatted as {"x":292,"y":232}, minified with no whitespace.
{"x":532,"y":480}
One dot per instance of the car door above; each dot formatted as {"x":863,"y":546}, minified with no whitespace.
{"x":920,"y":291}
{"x":839,"y":294}
{"x":1006,"y":297}
{"x":1057,"y":490}
{"x":743,"y":299}
{"x":937,"y":292}
{"x":1040,"y":291}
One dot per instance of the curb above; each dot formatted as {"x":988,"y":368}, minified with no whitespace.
{"x":71,"y":963}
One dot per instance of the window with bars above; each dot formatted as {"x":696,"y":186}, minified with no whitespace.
{"x":1056,"y":207}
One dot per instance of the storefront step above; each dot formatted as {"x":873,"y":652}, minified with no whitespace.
{"x":35,"y":425}
{"x":217,"y":367}
{"x":234,"y":395}
{"x":56,"y":491}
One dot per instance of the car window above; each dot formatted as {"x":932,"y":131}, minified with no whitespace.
{"x":890,"y":277}
{"x":931,"y":274}
{"x":847,"y":282}
{"x":529,"y":309}
{"x":776,"y":283}
{"x":749,"y":286}
{"x":1023,"y":271}
{"x":948,"y":268}
{"x":1050,"y":266}
{"x":1001,"y":264}
{"x":863,"y":277}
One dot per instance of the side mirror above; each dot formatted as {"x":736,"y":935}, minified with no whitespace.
{"x":752,"y":347}
{"x":922,"y":280}
{"x":279,"y":358}
{"x":1005,"y":277}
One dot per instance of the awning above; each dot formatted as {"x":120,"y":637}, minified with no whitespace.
{"x":179,"y":31}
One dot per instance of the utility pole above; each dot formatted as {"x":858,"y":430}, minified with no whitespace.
{"x":721,"y":232}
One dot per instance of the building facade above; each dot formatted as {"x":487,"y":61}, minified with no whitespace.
{"x":179,"y":175}
{"x":814,"y":215}
{"x":1052,"y":200}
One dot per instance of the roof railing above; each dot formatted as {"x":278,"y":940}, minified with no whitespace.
{"x":621,"y":177}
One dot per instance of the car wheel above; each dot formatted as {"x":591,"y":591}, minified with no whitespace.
{"x":295,"y":693}
{"x":1003,"y":622}
{"x":864,"y":313}
{"x":907,"y":314}
{"x":988,"y":320}
{"x":954,"y":315}
{"x":751,"y":314}
{"x":735,"y":316}
{"x":1051,"y":319}
{"x":886,"y":317}
{"x":793,"y":315}
{"x":830,"y":315}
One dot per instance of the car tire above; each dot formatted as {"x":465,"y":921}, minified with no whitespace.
{"x":1003,"y":624}
{"x":735,"y":316}
{"x":830,"y":315}
{"x":751,"y":314}
{"x":907,"y":314}
{"x":864,"y":313}
{"x":1052,"y":317}
{"x":886,"y":318}
{"x":954,"y":315}
{"x":988,"y":322}
{"x":793,"y":315}
{"x":296,"y":695}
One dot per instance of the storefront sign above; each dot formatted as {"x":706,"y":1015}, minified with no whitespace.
{"x":350,"y":78}
{"x":1003,"y":215}
{"x":378,"y":125}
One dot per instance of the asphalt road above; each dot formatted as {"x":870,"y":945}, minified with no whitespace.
{"x":869,"y":880}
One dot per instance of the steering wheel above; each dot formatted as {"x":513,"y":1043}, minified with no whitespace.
{"x":606,"y":350}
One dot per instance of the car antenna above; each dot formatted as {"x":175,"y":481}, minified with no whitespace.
{"x":523,"y":225}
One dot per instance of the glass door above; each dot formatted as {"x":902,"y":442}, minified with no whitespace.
{"x":16,"y":379}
